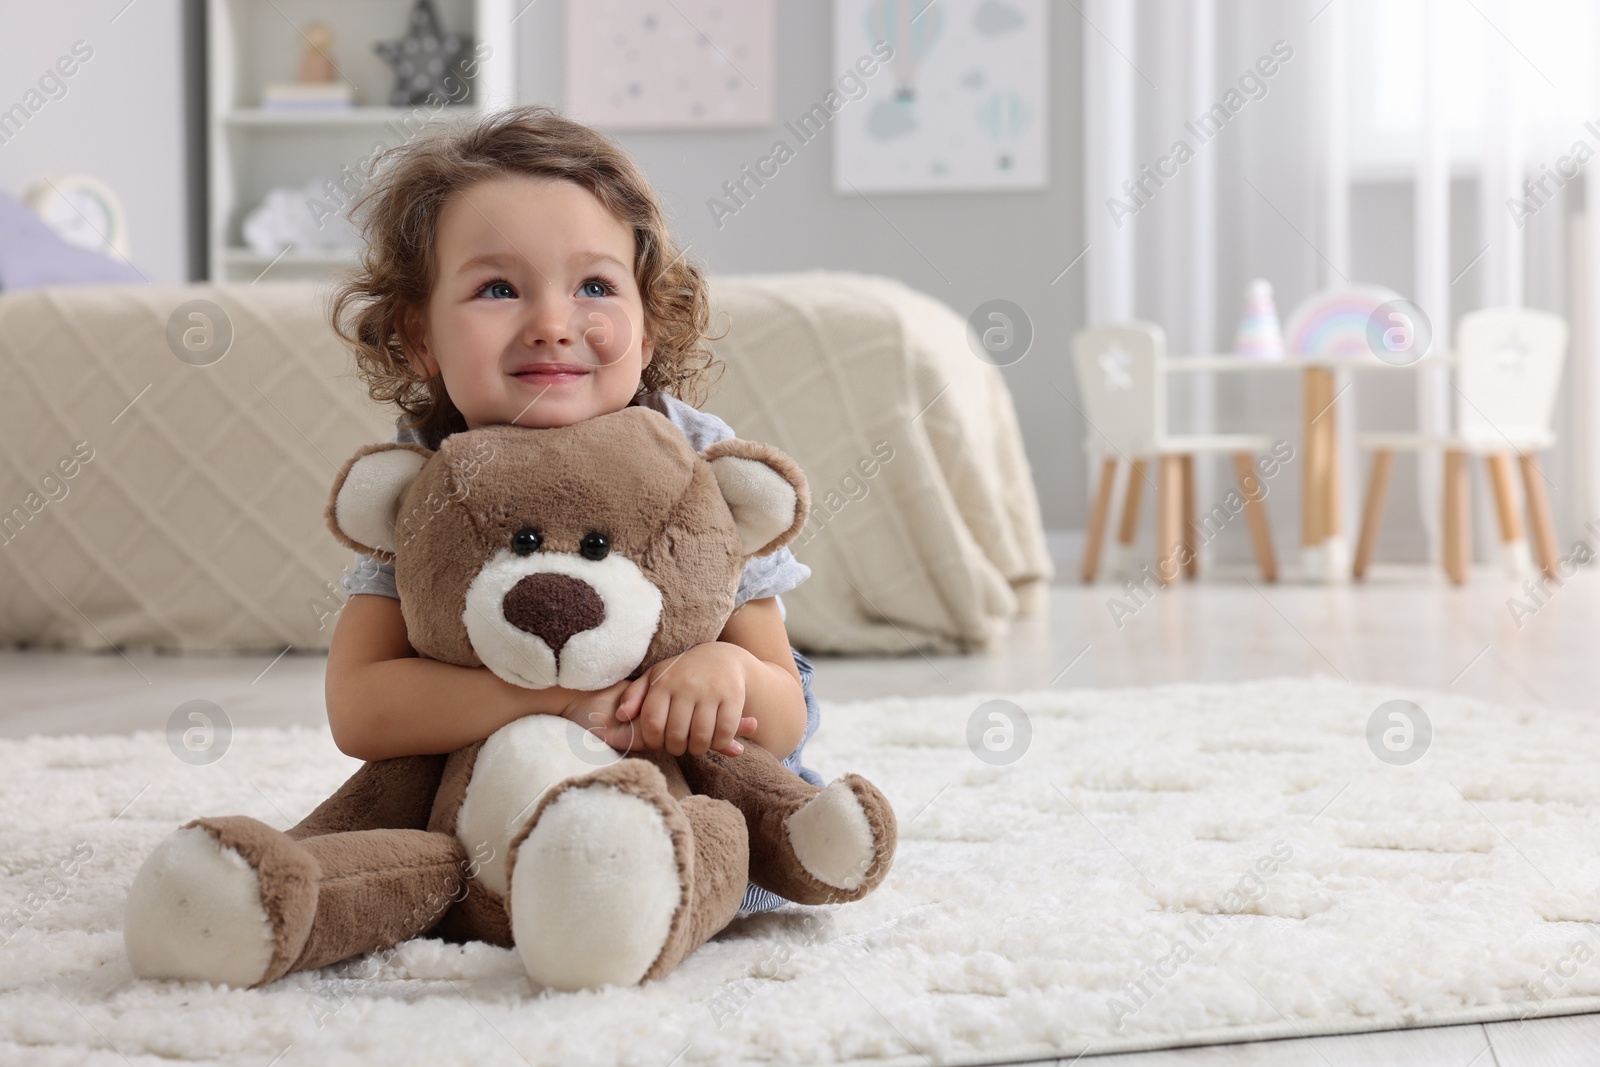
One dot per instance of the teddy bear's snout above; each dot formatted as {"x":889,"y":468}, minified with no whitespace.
{"x":560,"y":618}
{"x":553,"y":607}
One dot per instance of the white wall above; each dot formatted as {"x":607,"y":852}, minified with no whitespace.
{"x":120,"y":118}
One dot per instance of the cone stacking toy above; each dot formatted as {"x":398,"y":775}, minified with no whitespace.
{"x":1259,"y":335}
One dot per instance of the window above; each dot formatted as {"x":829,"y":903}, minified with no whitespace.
{"x":1546,"y":46}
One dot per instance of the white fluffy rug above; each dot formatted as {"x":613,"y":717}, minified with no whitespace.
{"x":1163,"y":866}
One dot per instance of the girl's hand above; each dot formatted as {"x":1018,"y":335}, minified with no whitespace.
{"x":597,"y":712}
{"x":692,"y":703}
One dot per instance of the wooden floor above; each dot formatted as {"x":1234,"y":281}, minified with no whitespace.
{"x":1403,"y":627}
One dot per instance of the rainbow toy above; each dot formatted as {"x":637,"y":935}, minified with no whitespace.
{"x":1259,"y":336}
{"x":1333,"y":322}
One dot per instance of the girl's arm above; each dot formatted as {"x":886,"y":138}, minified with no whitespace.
{"x":749,"y":670}
{"x":773,"y":693}
{"x":384,"y":700}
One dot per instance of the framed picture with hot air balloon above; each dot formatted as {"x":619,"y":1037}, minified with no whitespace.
{"x":964,"y":105}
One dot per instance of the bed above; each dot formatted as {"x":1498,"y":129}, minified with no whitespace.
{"x":170,"y":450}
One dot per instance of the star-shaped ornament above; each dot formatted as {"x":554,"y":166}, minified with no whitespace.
{"x":1510,"y":353}
{"x":1114,"y":363}
{"x":423,"y":59}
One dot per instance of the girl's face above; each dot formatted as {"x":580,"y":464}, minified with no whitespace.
{"x":534,"y":318}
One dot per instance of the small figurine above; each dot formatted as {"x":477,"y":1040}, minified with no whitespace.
{"x":319,"y":86}
{"x":316,"y":65}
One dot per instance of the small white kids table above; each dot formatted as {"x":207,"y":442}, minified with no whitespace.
{"x":1325,"y":548}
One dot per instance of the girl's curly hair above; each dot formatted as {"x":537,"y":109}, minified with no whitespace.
{"x":398,"y":216}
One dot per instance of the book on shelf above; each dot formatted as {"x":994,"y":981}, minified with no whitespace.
{"x":307,"y":96}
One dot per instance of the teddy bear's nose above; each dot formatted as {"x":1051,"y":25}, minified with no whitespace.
{"x":553,"y":607}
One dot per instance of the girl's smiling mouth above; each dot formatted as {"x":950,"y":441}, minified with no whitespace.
{"x":550,"y":373}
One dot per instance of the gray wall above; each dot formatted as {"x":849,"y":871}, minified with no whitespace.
{"x":120,"y":119}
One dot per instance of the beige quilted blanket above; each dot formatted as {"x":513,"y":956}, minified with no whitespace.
{"x":146,"y":500}
{"x":941,"y":546}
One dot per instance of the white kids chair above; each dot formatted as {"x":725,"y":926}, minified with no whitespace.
{"x":1507,"y":374}
{"x":1124,"y":391}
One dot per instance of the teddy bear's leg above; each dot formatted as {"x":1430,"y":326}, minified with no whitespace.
{"x":231,"y":900}
{"x":394,"y":794}
{"x":613,"y":881}
{"x":379,"y":888}
{"x":810,"y":845}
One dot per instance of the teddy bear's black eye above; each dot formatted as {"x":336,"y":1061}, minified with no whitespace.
{"x":525,"y":541}
{"x":595,"y":546}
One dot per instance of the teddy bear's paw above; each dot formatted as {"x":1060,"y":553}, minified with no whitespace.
{"x":844,"y":837}
{"x":596,"y":880}
{"x":220,"y":900}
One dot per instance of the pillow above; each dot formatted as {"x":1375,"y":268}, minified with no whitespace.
{"x":32,"y":254}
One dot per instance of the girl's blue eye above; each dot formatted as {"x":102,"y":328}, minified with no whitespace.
{"x":502,"y":285}
{"x":605,"y":287}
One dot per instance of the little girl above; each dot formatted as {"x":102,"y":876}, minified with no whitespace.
{"x":520,"y":272}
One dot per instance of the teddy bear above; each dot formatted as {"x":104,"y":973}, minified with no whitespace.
{"x":575,"y":556}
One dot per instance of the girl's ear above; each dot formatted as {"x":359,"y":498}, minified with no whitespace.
{"x":647,"y":351}
{"x":413,"y":339}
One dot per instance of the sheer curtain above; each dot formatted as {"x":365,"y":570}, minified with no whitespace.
{"x":1327,"y":143}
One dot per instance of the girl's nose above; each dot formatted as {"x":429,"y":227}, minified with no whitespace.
{"x":549,"y":323}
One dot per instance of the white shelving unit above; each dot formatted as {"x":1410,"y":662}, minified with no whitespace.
{"x":254,"y":42}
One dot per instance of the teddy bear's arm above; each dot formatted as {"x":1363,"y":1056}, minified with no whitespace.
{"x":390,"y":794}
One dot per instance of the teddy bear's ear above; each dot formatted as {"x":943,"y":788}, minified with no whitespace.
{"x":367,"y":494}
{"x":765,"y":490}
